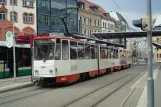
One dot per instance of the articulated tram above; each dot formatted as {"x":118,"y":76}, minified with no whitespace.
{"x":66,"y":60}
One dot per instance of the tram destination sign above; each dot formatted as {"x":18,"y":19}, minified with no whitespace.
{"x":9,"y":39}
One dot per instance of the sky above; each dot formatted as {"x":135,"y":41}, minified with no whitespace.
{"x":133,"y":9}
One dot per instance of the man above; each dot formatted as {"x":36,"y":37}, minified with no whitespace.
{"x":51,"y":54}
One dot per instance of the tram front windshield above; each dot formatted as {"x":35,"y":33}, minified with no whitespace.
{"x":44,"y":49}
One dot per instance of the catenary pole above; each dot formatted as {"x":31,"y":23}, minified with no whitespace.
{"x":150,"y":81}
{"x":14,"y":56}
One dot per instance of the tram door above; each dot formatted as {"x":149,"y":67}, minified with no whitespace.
{"x":73,"y":56}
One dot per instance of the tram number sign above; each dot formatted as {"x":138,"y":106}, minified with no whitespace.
{"x":73,"y":67}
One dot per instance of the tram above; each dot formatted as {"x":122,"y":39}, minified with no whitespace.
{"x":66,"y":60}
{"x":23,"y":60}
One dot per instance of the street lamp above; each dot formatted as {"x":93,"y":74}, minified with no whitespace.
{"x":14,"y":56}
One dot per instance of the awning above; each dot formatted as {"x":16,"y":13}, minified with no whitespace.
{"x":116,"y":35}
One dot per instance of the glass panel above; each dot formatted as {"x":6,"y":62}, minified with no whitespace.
{"x":65,"y":50}
{"x":112,"y":54}
{"x":106,"y":53}
{"x":93,"y":52}
{"x":44,"y":49}
{"x":80,"y":50}
{"x":58,"y":50}
{"x":87,"y":51}
{"x":73,"y":50}
{"x":102,"y":52}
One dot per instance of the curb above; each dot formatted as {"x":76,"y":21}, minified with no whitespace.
{"x":16,"y":86}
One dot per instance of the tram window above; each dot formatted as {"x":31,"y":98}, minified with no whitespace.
{"x":87,"y":51}
{"x":80,"y":50}
{"x":93,"y":52}
{"x":44,"y":49}
{"x":102,"y":52}
{"x":73,"y":50}
{"x":124,"y":54}
{"x":112,"y":55}
{"x":96,"y":52}
{"x":109,"y":53}
{"x":65,"y":50}
{"x":116,"y":54}
{"x":58,"y":50}
{"x":106,"y":53}
{"x":120,"y":53}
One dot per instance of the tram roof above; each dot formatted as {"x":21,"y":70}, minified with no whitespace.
{"x":99,"y":41}
{"x":116,"y":35}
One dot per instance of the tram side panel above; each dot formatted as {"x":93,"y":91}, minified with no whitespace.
{"x":104,"y":59}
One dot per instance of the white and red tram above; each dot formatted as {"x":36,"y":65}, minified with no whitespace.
{"x":65,"y":60}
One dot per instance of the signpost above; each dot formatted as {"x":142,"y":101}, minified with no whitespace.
{"x":9,"y":39}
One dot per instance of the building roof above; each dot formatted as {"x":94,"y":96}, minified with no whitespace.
{"x":89,"y":4}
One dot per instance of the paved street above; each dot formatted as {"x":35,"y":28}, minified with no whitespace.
{"x":115,"y":90}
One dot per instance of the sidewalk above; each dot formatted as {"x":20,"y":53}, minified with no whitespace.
{"x":143,"y":99}
{"x":8,"y":84}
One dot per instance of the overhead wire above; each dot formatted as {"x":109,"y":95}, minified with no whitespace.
{"x":124,"y":14}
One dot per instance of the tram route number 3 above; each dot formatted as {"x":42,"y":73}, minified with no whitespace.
{"x":73,"y":67}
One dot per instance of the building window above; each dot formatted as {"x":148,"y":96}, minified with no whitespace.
{"x":24,"y":2}
{"x":95,"y":22}
{"x":31,"y":3}
{"x":25,"y":19}
{"x":2,"y":1}
{"x":30,"y":18}
{"x":90,"y":21}
{"x":13,"y":15}
{"x":84,"y":31}
{"x":81,"y":19}
{"x":14,"y":2}
{"x":81,"y":5}
{"x":84,"y":20}
{"x":2,"y":16}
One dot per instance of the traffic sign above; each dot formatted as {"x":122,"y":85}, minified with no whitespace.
{"x":9,"y":39}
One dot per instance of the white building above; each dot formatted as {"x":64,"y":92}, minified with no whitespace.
{"x":121,"y":23}
{"x":94,"y":18}
{"x":24,"y":17}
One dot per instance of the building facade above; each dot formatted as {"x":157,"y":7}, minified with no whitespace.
{"x":157,"y":26}
{"x":108,"y":23}
{"x":50,"y":12}
{"x":24,"y":17}
{"x":94,"y":18}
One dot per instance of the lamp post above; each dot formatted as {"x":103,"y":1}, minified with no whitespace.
{"x":150,"y":81}
{"x":14,"y":56}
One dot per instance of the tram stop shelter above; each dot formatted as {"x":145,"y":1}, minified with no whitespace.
{"x":119,"y":35}
{"x":116,"y":35}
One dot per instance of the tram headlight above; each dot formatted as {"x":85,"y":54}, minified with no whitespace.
{"x":36,"y":71}
{"x":51,"y":71}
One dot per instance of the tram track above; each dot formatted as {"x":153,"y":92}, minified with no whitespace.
{"x":90,"y":93}
{"x":101,"y":100}
{"x":37,"y":91}
{"x":100,"y":88}
{"x":22,"y":95}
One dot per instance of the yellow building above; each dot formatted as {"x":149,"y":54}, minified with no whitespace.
{"x":157,"y":53}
